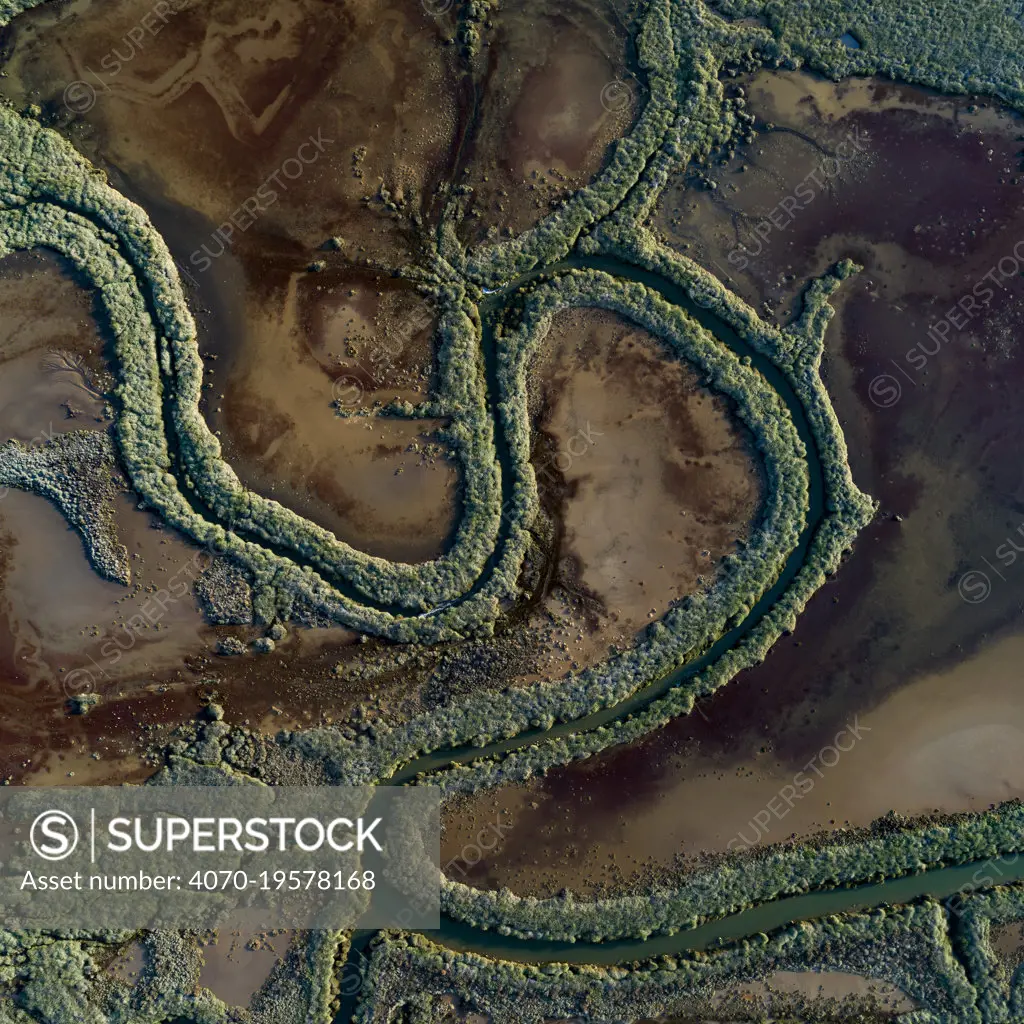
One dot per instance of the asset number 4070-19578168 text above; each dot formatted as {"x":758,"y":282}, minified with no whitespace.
{"x":324,"y":880}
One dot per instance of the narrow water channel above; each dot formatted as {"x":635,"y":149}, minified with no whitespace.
{"x":492,"y":309}
{"x":939,"y":883}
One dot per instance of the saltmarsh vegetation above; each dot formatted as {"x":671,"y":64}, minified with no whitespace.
{"x":937,"y":55}
{"x":1000,"y":985}
{"x":909,"y":946}
{"x":943,"y":44}
{"x":741,"y":881}
{"x":796,"y":33}
{"x":53,"y":198}
{"x":493,"y":266}
{"x":688,"y":629}
{"x":905,"y":945}
{"x":55,"y":979}
{"x":78,"y":473}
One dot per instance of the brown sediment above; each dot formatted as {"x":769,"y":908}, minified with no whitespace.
{"x":236,"y":964}
{"x":382,"y":484}
{"x":940,"y":458}
{"x":211,"y":102}
{"x":931,"y":209}
{"x":284,"y":351}
{"x":558,"y":91}
{"x":1007,"y":942}
{"x":652,"y":480}
{"x":66,"y":631}
{"x":649,"y":476}
{"x":192,"y":122}
{"x":55,"y":612}
{"x":376,"y":331}
{"x":128,"y":963}
{"x":854,"y":993}
{"x":53,"y":377}
{"x":210,"y":106}
{"x":646,"y":480}
{"x":946,"y":742}
{"x":102,"y":634}
{"x":145,"y":649}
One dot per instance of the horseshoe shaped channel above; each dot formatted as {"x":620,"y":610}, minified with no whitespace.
{"x":175,"y":464}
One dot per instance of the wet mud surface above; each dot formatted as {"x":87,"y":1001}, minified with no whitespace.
{"x":915,"y":636}
{"x":556,"y":87}
{"x":300,"y":159}
{"x":294,"y":160}
{"x":306,"y":324}
{"x":146,"y":649}
{"x":659,"y":481}
{"x":208,"y":107}
{"x":1007,"y":941}
{"x":236,"y":965}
